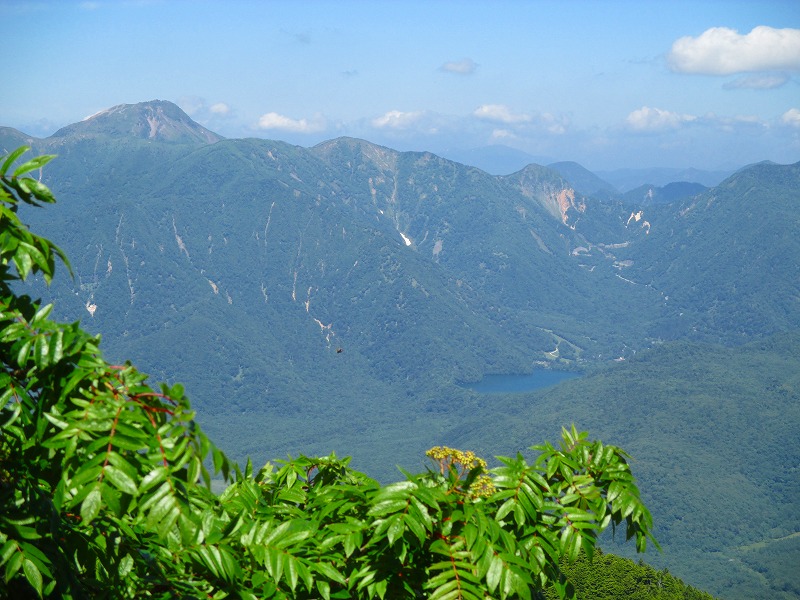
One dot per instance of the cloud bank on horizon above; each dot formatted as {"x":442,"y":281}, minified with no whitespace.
{"x":711,"y":86}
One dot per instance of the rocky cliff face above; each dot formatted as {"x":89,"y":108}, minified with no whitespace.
{"x":547,"y":188}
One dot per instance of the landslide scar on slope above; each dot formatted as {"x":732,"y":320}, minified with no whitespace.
{"x":565,"y":200}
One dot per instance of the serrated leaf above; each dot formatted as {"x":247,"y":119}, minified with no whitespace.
{"x":415,"y":527}
{"x":575,"y":543}
{"x":90,"y":507}
{"x":324,"y":589}
{"x":126,"y":442}
{"x":519,"y":515}
{"x":23,"y":262}
{"x":9,"y":548}
{"x":22,"y":355}
{"x":230,"y":567}
{"x":379,"y":588}
{"x":388,"y":506}
{"x":351,"y":542}
{"x":42,"y":314}
{"x":395,"y":530}
{"x":56,"y":346}
{"x":55,"y":420}
{"x":273,"y":561}
{"x":290,"y":571}
{"x":36,"y":255}
{"x":209,"y":554}
{"x":41,"y":191}
{"x":122,"y":463}
{"x":9,"y":160}
{"x":33,"y":164}
{"x":155,"y":476}
{"x":506,"y":508}
{"x":13,"y":565}
{"x":125,"y":566}
{"x":330,"y":572}
{"x":446,"y":591}
{"x":121,"y":480}
{"x":293,"y":496}
{"x":494,"y":573}
{"x":569,"y":498}
{"x":33,"y":575}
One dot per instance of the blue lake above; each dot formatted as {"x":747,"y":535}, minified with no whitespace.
{"x":509,"y":384}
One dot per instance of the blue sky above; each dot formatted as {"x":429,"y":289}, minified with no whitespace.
{"x":610,"y":84}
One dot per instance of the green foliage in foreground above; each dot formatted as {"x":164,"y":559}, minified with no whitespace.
{"x":104,"y":490}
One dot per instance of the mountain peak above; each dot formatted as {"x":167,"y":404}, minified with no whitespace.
{"x":348,"y":150}
{"x":495,"y":159}
{"x":582,"y":179}
{"x":349,"y":142}
{"x":155,"y":120}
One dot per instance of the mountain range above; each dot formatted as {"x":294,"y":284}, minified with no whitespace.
{"x":336,"y":298}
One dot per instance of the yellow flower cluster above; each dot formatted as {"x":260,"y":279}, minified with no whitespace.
{"x":463,"y":462}
{"x":450,"y":456}
{"x":482,"y":487}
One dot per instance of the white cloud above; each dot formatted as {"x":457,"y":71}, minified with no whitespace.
{"x":273,"y":120}
{"x":554,"y":124}
{"x":198,"y":108}
{"x":738,"y":123}
{"x":191,"y":105}
{"x":748,"y":120}
{"x":763,"y":81}
{"x":656,"y":119}
{"x":791,"y":117}
{"x":502,"y":134}
{"x":220,"y":108}
{"x":724,"y":51}
{"x":465,"y":66}
{"x":395,"y":119}
{"x":500,"y":113}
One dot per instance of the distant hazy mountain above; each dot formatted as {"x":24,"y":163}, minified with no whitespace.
{"x":649,"y":195}
{"x":495,"y":159}
{"x":583,"y":180}
{"x":627,"y":179}
{"x":332,"y":298}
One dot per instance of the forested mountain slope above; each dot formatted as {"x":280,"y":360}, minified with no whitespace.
{"x":728,"y":257}
{"x":265,"y":259}
{"x":332,"y":298}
